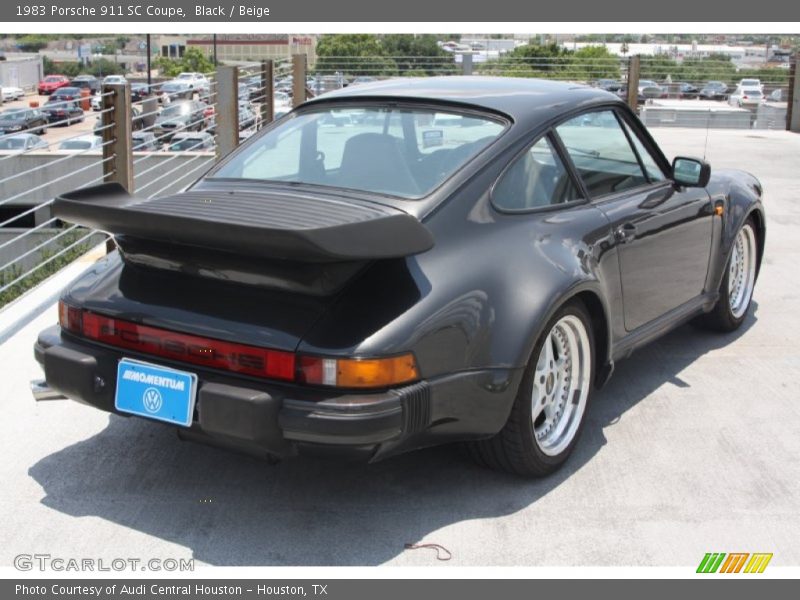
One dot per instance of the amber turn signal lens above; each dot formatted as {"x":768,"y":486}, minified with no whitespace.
{"x":359,"y":372}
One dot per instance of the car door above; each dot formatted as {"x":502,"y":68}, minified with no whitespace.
{"x":662,"y":232}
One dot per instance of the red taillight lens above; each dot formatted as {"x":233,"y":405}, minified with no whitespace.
{"x":70,"y":318}
{"x":215,"y":354}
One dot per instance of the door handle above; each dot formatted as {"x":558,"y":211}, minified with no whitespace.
{"x":625,"y":234}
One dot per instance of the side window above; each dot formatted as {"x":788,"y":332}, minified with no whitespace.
{"x":601,"y":153}
{"x":537,"y":178}
{"x":654,"y":172}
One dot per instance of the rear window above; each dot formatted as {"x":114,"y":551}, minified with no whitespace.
{"x":405,"y":152}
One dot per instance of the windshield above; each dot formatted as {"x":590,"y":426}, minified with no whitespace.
{"x":175,"y":110}
{"x":188,"y":144}
{"x":75,"y":145}
{"x":404,"y":152}
{"x":12,"y":143}
{"x":53,"y":79}
{"x":12,"y":115}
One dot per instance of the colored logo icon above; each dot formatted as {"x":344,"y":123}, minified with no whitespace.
{"x":735,"y":562}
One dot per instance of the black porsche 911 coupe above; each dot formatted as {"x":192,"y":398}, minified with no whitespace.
{"x":401,"y":264}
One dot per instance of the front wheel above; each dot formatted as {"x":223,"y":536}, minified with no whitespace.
{"x":736,"y":291}
{"x":548,"y":412}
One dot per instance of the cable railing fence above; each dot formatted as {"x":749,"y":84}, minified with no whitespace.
{"x":158,"y":138}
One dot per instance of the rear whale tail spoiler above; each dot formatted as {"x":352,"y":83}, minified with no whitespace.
{"x":270,"y":225}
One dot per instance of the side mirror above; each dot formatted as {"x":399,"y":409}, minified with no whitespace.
{"x":690,"y":172}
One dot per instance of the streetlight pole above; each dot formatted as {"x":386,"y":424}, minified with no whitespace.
{"x":149,"y":71}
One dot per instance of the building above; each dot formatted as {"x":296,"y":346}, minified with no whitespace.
{"x":233,"y":48}
{"x":21,"y":70}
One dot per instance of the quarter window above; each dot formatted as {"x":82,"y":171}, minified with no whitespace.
{"x":654,"y":172}
{"x":601,"y":153}
{"x":537,"y":178}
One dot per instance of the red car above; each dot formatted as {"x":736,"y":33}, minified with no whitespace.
{"x":51,"y":83}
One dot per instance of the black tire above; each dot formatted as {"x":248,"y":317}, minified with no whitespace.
{"x":721,"y":317}
{"x":515,"y":449}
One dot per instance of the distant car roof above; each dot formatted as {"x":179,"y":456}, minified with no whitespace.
{"x":519,"y":98}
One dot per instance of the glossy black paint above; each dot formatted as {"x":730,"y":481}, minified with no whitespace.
{"x":471,"y":307}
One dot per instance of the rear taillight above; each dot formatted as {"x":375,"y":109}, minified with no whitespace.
{"x":70,"y":318}
{"x":215,"y":354}
{"x":358,"y":372}
{"x":354,"y":373}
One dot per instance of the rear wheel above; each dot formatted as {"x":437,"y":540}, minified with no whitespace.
{"x":548,"y":412}
{"x":736,"y":291}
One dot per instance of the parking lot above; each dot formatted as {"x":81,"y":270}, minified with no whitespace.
{"x":57,"y":133}
{"x":693,"y":447}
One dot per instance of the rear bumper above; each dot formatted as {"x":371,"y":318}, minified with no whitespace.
{"x":268,"y":419}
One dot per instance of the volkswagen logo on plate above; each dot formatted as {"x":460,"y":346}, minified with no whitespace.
{"x":152,"y":400}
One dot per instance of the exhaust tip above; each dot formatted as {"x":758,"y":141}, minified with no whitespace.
{"x":43,"y":392}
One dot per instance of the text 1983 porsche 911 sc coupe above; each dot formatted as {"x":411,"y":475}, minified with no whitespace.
{"x":401,"y":264}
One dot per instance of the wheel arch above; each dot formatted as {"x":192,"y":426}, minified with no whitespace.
{"x":592,"y":300}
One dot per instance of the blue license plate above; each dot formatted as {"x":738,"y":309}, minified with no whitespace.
{"x":155,"y":392}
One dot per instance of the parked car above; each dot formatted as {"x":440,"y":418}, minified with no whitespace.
{"x":751,"y":83}
{"x":137,"y":121}
{"x":63,"y":112}
{"x":687,"y":90}
{"x":714,"y":90}
{"x":609,"y":85}
{"x":171,"y":91}
{"x":319,"y":300}
{"x":779,"y":95}
{"x":651,"y":89}
{"x":19,"y":120}
{"x":194,"y":80}
{"x":248,"y":117}
{"x":191,"y":142}
{"x":10,"y":93}
{"x":179,"y":116}
{"x":114,"y":79}
{"x":51,"y":83}
{"x":96,"y":102}
{"x":746,"y":97}
{"x":65,"y":93}
{"x":82,"y":143}
{"x":23,"y":141}
{"x":362,"y":79}
{"x":144,"y":141}
{"x":86,"y":82}
{"x":140,"y":91}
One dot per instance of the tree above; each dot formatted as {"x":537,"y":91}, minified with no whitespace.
{"x":417,"y":53}
{"x":32,"y":43}
{"x":192,"y":60}
{"x":624,"y":49}
{"x":353,"y":54}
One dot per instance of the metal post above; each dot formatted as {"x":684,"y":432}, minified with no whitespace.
{"x":268,"y":91}
{"x":466,"y":64}
{"x":298,"y":79}
{"x":634,"y":64}
{"x":149,"y":70}
{"x":227,"y":110}
{"x":793,"y":104}
{"x":116,"y":121}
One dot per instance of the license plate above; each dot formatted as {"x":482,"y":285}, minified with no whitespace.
{"x":155,"y":392}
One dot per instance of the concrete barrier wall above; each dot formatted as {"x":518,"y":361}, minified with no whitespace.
{"x":52,"y":173}
{"x":32,"y":240}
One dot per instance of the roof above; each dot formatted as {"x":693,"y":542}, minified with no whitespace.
{"x":513,"y":96}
